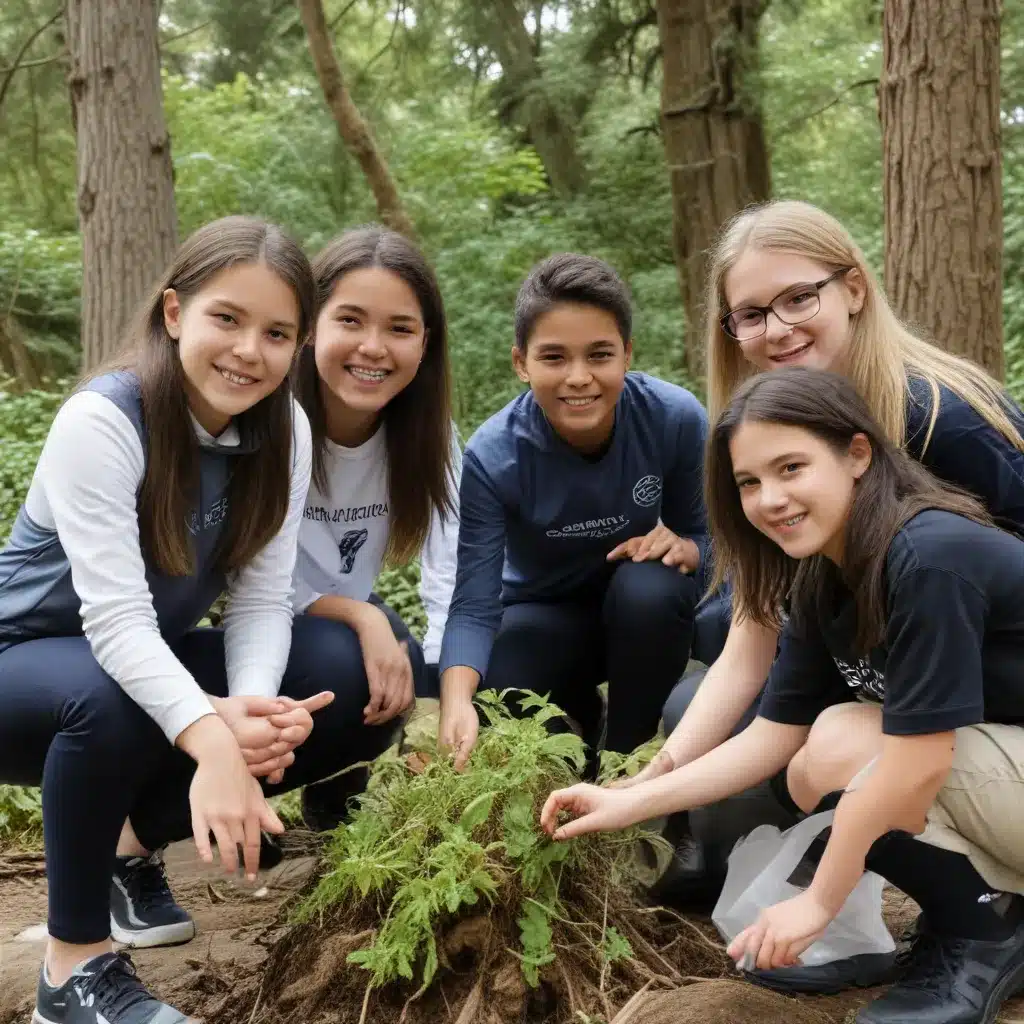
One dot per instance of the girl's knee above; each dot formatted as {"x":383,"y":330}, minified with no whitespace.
{"x":843,"y":740}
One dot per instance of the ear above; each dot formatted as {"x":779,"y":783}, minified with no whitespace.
{"x":629,"y":352}
{"x":519,"y":364}
{"x":860,"y":454}
{"x":856,"y":290}
{"x":172,"y":313}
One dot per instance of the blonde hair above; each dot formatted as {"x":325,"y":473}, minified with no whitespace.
{"x":883,"y":351}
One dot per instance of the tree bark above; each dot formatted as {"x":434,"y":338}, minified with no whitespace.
{"x":713,"y":132}
{"x":550,"y":129}
{"x":125,"y":179}
{"x":352,"y":127}
{"x":942,"y":181}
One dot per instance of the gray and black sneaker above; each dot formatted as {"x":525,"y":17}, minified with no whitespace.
{"x":103,"y":990}
{"x":142,"y":910}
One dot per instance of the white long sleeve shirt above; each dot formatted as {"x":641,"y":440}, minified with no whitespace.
{"x":85,"y":488}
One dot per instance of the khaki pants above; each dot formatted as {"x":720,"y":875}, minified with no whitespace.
{"x":979,"y":812}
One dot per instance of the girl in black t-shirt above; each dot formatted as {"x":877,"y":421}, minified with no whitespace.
{"x":897,"y":696}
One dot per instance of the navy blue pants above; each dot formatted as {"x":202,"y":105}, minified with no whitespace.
{"x":635,"y":633}
{"x":66,"y":725}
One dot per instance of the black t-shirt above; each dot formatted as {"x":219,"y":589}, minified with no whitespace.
{"x":953,"y":653}
{"x":966,"y":451}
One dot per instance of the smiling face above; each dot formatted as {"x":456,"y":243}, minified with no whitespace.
{"x":236,"y":339}
{"x":761,"y":276}
{"x":795,"y":487}
{"x":370,"y":339}
{"x":575,"y":363}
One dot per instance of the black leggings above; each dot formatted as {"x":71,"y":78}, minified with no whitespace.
{"x":636,"y":634}
{"x":65,"y":724}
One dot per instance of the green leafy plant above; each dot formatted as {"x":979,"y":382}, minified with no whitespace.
{"x":441,"y":875}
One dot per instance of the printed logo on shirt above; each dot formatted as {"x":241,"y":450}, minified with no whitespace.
{"x":214,"y":516}
{"x":349,"y":546}
{"x":863,"y":677}
{"x":647,"y":490}
{"x":319,"y":514}
{"x":592,"y":527}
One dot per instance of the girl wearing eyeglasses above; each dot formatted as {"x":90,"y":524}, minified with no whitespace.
{"x":788,"y":286}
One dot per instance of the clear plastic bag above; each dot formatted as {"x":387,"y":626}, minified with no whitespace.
{"x":760,"y":866}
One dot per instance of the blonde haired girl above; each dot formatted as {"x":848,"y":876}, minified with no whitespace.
{"x":788,"y":286}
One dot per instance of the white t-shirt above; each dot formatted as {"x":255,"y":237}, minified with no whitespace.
{"x":344,"y":534}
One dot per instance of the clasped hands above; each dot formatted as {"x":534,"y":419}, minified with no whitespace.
{"x":268,"y":729}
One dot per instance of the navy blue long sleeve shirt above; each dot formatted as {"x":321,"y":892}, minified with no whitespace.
{"x":538,"y":518}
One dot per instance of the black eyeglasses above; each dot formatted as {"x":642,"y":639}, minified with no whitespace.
{"x":793,"y":306}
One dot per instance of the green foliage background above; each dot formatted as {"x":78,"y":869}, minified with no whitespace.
{"x":250,"y":133}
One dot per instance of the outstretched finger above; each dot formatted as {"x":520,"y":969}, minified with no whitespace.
{"x":201,"y":834}
{"x":268,"y":819}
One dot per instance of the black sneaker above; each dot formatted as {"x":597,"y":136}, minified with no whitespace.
{"x":142,"y":910}
{"x":952,"y":981}
{"x":103,"y":990}
{"x":864,"y":971}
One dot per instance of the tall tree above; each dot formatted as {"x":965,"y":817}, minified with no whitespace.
{"x":352,"y":127}
{"x":125,"y":180}
{"x":942,"y":172}
{"x":549,"y":125}
{"x":713,"y":133}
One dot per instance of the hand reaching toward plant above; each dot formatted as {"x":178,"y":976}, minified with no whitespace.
{"x":660,"y":544}
{"x":593,"y":808}
{"x":458,"y":729}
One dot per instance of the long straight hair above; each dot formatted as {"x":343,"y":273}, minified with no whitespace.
{"x":417,"y":421}
{"x":893,"y":489}
{"x":883,"y":351}
{"x":259,"y":487}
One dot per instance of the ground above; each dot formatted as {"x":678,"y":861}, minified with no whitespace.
{"x":232,"y":919}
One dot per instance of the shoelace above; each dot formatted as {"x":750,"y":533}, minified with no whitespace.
{"x":115,"y":986}
{"x":147,"y":882}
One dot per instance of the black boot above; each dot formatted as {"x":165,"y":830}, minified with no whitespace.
{"x":953,"y":981}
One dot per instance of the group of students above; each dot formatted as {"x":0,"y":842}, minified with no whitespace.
{"x":281,"y":431}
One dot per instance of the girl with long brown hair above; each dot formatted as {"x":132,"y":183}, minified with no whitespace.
{"x":896,"y":698}
{"x":174,"y":475}
{"x":375,"y":382}
{"x":789,"y":286}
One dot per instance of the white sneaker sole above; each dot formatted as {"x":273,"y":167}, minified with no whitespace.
{"x":146,"y":938}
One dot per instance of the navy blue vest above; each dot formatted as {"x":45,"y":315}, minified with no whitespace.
{"x":37,"y":598}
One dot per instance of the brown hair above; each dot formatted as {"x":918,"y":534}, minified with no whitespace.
{"x":418,"y":420}
{"x":259,"y":487}
{"x":893,"y":489}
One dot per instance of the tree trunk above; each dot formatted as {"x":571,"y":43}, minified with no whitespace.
{"x":352,"y":127}
{"x":714,"y":136}
{"x":125,"y":179}
{"x":549,"y":129}
{"x":942,"y":179}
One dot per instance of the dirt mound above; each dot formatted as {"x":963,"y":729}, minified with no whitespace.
{"x":718,"y":1002}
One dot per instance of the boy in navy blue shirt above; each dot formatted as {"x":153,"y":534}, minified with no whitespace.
{"x":582,"y":534}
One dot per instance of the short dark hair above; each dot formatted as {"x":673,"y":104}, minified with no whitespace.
{"x":570,"y":277}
